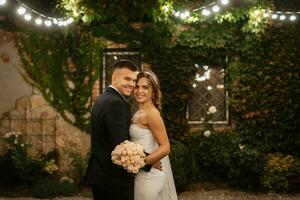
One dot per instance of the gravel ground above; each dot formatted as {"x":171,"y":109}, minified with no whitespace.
{"x":222,"y":194}
{"x":233,"y":195}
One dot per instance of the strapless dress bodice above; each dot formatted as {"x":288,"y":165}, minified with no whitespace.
{"x":144,"y":137}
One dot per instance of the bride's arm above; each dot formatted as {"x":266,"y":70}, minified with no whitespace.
{"x":159,"y":132}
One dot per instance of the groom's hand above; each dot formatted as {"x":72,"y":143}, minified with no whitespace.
{"x":157,"y":165}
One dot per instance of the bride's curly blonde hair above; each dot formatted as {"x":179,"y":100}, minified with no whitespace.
{"x":152,"y":78}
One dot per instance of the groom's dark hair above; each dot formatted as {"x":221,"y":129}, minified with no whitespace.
{"x":125,"y":64}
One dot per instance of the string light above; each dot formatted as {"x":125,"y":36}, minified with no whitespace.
{"x":207,"y":10}
{"x":216,"y":6}
{"x":2,"y":2}
{"x":275,"y":15}
{"x":28,"y":17}
{"x":184,"y":15}
{"x":21,"y":10}
{"x":293,"y":17}
{"x":39,"y":19}
{"x":48,"y":23}
{"x":224,"y":2}
{"x":282,"y":17}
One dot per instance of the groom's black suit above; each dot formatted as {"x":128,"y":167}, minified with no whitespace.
{"x":110,"y":121}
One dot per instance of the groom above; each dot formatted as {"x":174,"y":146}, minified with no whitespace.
{"x":110,"y":123}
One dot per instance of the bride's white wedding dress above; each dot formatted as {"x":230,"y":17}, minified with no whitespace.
{"x":156,"y":184}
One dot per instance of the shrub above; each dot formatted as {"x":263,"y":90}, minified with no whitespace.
{"x":246,"y":167}
{"x":49,"y":188}
{"x":222,"y":157}
{"x":183,"y":165}
{"x":281,"y":173}
{"x":212,"y":154}
{"x":78,"y":167}
{"x":17,"y":162}
{"x":19,"y":167}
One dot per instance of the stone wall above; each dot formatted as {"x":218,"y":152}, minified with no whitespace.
{"x":12,"y":85}
{"x":44,"y":129}
{"x":23,"y":109}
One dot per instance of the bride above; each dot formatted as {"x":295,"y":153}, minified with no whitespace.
{"x":148,"y":129}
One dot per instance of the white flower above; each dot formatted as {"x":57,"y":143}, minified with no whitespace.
{"x":241,"y":147}
{"x":207,"y":133}
{"x":212,"y":109}
{"x":129,"y":155}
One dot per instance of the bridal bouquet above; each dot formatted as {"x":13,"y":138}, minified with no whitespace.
{"x":129,"y":155}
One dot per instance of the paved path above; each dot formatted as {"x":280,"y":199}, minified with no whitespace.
{"x":204,"y":195}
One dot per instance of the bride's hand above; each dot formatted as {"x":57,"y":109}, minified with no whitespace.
{"x":157,"y":165}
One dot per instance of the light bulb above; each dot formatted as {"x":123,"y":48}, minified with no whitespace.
{"x":266,"y":15}
{"x":27,"y":17}
{"x":282,"y":17}
{"x":38,"y":21}
{"x":205,"y":12}
{"x":70,"y":20}
{"x":216,"y":8}
{"x":21,"y":10}
{"x":48,"y":23}
{"x":274,"y":16}
{"x":224,"y":2}
{"x":2,"y":2}
{"x":185,"y":14}
{"x":293,"y":18}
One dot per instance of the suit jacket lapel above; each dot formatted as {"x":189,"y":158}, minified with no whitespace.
{"x":113,"y":91}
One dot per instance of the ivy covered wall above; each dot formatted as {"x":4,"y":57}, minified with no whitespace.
{"x":265,"y":94}
{"x":262,"y":64}
{"x":64,"y":67}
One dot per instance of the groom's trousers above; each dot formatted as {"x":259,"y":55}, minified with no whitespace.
{"x":113,"y":192}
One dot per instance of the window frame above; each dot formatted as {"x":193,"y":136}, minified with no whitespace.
{"x":227,"y":115}
{"x":115,"y":52}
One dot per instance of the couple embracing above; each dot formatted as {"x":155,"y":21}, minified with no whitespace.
{"x":112,"y":123}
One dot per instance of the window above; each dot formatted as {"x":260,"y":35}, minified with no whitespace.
{"x":111,"y":56}
{"x":209,"y":92}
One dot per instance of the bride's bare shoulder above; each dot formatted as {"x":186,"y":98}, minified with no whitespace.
{"x":153,"y":114}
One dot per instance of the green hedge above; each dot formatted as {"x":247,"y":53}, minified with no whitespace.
{"x":183,"y":165}
{"x":222,"y":157}
{"x":265,"y":94}
{"x":50,"y":188}
{"x":64,"y":67}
